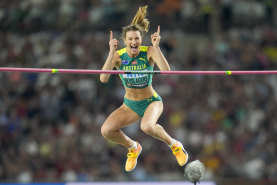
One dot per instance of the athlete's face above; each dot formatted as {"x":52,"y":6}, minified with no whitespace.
{"x":133,"y":41}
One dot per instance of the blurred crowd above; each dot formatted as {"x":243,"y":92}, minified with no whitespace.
{"x":50,"y":123}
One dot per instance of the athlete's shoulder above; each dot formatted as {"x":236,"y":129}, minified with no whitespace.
{"x":121,"y":51}
{"x":150,"y":50}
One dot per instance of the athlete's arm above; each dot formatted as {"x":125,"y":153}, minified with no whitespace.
{"x":112,"y":59}
{"x":156,"y":53}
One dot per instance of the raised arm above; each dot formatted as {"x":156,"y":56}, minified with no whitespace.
{"x":156,"y":53}
{"x":112,"y":59}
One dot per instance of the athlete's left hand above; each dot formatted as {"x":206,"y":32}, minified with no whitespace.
{"x":155,"y":38}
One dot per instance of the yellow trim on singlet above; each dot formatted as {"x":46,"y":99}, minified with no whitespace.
{"x":121,"y":51}
{"x":120,"y":76}
{"x":143,"y":48}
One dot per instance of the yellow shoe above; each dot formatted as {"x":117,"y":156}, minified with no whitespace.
{"x":132,"y":157}
{"x":180,"y":153}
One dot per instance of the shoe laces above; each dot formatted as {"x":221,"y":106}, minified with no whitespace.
{"x":133,"y":153}
{"x":175,"y":148}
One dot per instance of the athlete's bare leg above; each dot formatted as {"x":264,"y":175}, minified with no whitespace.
{"x":149,"y":122}
{"x":121,"y":117}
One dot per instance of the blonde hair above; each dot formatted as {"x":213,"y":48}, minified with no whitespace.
{"x":139,"y":23}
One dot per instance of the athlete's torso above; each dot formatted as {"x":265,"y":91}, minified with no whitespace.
{"x":139,"y":63}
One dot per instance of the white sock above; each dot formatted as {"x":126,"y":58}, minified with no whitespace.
{"x":135,"y":145}
{"x":172,"y":143}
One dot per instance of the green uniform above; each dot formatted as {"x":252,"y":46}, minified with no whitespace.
{"x":139,"y":63}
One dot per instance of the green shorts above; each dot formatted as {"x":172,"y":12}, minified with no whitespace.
{"x":140,"y":106}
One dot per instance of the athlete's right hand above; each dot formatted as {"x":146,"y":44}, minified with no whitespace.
{"x":113,"y":43}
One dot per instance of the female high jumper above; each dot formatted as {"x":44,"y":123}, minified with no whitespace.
{"x":140,"y":100}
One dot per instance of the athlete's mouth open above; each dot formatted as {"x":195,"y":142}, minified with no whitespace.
{"x":134,"y":49}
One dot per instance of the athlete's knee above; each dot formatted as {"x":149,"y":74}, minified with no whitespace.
{"x":105,"y":131}
{"x":147,"y":129}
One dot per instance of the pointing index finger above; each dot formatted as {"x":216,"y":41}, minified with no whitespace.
{"x":158,"y":31}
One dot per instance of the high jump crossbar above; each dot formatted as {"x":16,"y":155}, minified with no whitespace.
{"x":91,"y":71}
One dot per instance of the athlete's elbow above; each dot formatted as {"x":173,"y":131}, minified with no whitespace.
{"x":103,"y":79}
{"x":167,"y":68}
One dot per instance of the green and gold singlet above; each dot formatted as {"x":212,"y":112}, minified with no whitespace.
{"x":139,"y":63}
